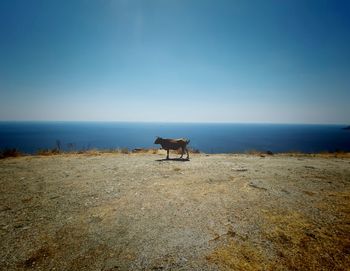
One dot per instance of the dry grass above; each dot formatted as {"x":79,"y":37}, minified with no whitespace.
{"x":258,"y":153}
{"x":192,"y":150}
{"x":124,"y":150}
{"x":93,"y":152}
{"x":302,"y":245}
{"x":325,"y":154}
{"x":339,"y":154}
{"x":13,"y":152}
{"x":146,"y":151}
{"x":89,"y":152}
{"x":238,"y":255}
{"x":98,"y":152}
{"x":288,"y":241}
{"x":48,"y":152}
{"x":334,"y":154}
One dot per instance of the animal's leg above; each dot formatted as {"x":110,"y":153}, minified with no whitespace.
{"x":167,"y":154}
{"x":182,"y":152}
{"x":188,"y":156}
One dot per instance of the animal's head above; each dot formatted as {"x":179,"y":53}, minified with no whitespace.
{"x":158,"y":140}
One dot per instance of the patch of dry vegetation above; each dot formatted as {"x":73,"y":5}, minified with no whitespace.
{"x":193,"y":150}
{"x":325,"y":154}
{"x":300,"y":244}
{"x":147,"y":151}
{"x":339,"y":154}
{"x":124,"y":150}
{"x":48,"y":152}
{"x":288,"y":241}
{"x":238,"y":255}
{"x":258,"y":153}
{"x":90,"y":152}
{"x":11,"y":152}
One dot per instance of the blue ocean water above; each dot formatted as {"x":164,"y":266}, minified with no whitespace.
{"x":210,"y":138}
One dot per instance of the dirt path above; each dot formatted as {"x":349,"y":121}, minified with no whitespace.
{"x":137,"y":212}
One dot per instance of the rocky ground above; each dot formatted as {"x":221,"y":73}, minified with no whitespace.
{"x":140,"y":212}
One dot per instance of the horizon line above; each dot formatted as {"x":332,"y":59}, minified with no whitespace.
{"x":179,"y":122}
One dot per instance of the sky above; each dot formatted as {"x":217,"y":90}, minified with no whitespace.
{"x":263,"y":61}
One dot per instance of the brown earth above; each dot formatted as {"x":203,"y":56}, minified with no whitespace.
{"x":139,"y":212}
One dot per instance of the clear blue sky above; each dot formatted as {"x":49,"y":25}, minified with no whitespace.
{"x":175,"y":60}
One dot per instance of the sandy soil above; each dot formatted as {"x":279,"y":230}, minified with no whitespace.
{"x":139,"y":212}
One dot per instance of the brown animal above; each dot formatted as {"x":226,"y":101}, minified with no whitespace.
{"x":173,"y":144}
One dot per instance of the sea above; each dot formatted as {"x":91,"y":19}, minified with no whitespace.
{"x":29,"y":137}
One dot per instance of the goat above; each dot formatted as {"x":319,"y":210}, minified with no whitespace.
{"x":173,"y":144}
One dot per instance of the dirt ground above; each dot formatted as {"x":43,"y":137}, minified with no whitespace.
{"x":139,"y":212}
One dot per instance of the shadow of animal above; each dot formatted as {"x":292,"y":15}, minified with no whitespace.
{"x":173,"y":144}
{"x":173,"y":159}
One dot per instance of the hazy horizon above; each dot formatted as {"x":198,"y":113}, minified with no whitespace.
{"x":171,"y":122}
{"x":175,"y":61}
